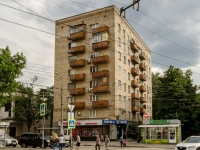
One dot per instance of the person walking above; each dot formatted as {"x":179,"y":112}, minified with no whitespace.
{"x":61,"y":142}
{"x":102,"y":140}
{"x":97,"y":142}
{"x":54,"y":141}
{"x":78,"y":142}
{"x":121,"y":140}
{"x":107,"y":142}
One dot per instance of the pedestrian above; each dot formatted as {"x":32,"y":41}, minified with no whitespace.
{"x":54,"y":141}
{"x":78,"y":142}
{"x":107,"y":142}
{"x":102,"y":140}
{"x":97,"y":142}
{"x":121,"y":140}
{"x":61,"y":142}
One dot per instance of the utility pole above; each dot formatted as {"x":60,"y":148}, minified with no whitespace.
{"x":123,"y":9}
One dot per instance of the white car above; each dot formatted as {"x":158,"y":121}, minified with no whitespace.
{"x":191,"y":143}
{"x":10,"y":141}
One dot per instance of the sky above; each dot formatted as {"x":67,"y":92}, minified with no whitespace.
{"x":169,"y":28}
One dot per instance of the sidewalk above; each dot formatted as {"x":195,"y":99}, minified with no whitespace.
{"x":132,"y":144}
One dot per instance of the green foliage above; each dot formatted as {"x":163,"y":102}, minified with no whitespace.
{"x":174,"y":97}
{"x":10,"y":69}
{"x":133,"y":130}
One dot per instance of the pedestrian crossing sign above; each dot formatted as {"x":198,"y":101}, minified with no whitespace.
{"x":43,"y":108}
{"x":71,"y":124}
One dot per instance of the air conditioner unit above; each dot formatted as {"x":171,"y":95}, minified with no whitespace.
{"x":89,"y":61}
{"x":90,"y":90}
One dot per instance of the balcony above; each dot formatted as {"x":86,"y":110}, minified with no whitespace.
{"x":100,"y":104}
{"x":142,"y":88}
{"x":134,"y":71}
{"x":134,"y":108}
{"x":77,"y":35}
{"x":100,"y":89}
{"x":100,"y":29}
{"x":142,"y":67}
{"x":100,"y":45}
{"x":134,"y":96}
{"x":134,"y":47}
{"x":142,"y":110}
{"x":134,"y":59}
{"x":100,"y":74}
{"x":100,"y":59}
{"x":77,"y":49}
{"x":143,"y":100}
{"x":77,"y":63}
{"x":77,"y":91}
{"x":78,"y":105}
{"x":143,"y":77}
{"x":77,"y":77}
{"x":134,"y":84}
{"x":142,"y":56}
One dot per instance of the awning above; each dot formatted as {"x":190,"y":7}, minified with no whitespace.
{"x":158,"y":125}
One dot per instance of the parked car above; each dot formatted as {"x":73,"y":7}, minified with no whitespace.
{"x":191,"y":143}
{"x":32,"y":139}
{"x":10,"y":141}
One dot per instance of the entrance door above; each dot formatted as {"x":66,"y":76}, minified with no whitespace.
{"x":172,"y":135}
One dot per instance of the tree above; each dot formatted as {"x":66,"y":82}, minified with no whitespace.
{"x":174,"y":97}
{"x":10,"y":69}
{"x":133,"y":130}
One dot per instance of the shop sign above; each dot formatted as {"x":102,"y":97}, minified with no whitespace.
{"x":84,"y":122}
{"x":156,"y":141}
{"x":159,"y":121}
{"x":123,"y":122}
{"x":108,"y":121}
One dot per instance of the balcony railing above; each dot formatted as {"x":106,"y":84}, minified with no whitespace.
{"x":134,"y":59}
{"x":100,"y":29}
{"x":77,"y":49}
{"x":78,"y":105}
{"x":134,"y":47}
{"x":134,"y":95}
{"x":142,"y":88}
{"x":143,"y":77}
{"x":134,"y":71}
{"x":100,"y":45}
{"x":142,"y":56}
{"x":142,"y":110}
{"x":77,"y":77}
{"x":143,"y":100}
{"x":142,"y":67}
{"x":100,"y":89}
{"x":77,"y":91}
{"x":134,"y":108}
{"x":100,"y":104}
{"x":134,"y":84}
{"x":100,"y":74}
{"x":77,"y":63}
{"x":100,"y":59}
{"x":77,"y":35}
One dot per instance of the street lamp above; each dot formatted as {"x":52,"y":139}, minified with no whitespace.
{"x":61,"y":93}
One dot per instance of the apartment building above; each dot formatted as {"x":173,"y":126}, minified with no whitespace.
{"x":102,"y":67}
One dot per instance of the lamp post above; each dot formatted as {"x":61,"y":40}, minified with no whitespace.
{"x":61,"y":113}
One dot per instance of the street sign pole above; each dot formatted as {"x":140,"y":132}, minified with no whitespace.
{"x":71,"y":107}
{"x":43,"y":108}
{"x":145,"y":132}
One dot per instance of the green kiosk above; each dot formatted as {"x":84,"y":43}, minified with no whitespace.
{"x":161,"y":131}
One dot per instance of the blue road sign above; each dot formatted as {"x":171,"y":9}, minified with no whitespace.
{"x":71,"y":123}
{"x":42,"y":109}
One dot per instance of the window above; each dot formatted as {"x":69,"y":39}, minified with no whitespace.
{"x":71,"y":86}
{"x":71,"y":58}
{"x":93,"y":69}
{"x":119,"y":70}
{"x":129,"y":63}
{"x":129,"y":101}
{"x":70,"y":100}
{"x":119,"y":98}
{"x":124,"y":46}
{"x":124,"y":99}
{"x":93,"y":113}
{"x":129,"y":115}
{"x":129,"y":53}
{"x":91,"y":41}
{"x":129,"y":76}
{"x":129,"y":89}
{"x":119,"y":42}
{"x":93,"y":26}
{"x":124,"y":73}
{"x":98,"y":37}
{"x":71,"y":72}
{"x":124,"y":87}
{"x":119,"y":55}
{"x":119,"y":28}
{"x":94,"y":54}
{"x":119,"y":84}
{"x":73,"y":44}
{"x":93,"y":83}
{"x":93,"y":98}
{"x":73,"y":29}
{"x":128,"y":37}
{"x":124,"y":33}
{"x":124,"y":59}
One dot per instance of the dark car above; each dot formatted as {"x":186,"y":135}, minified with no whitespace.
{"x":32,"y":139}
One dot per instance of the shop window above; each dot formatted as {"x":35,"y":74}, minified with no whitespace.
{"x":157,"y":133}
{"x":93,"y":113}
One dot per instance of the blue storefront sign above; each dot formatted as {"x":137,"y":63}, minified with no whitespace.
{"x":108,"y":121}
{"x":123,"y":122}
